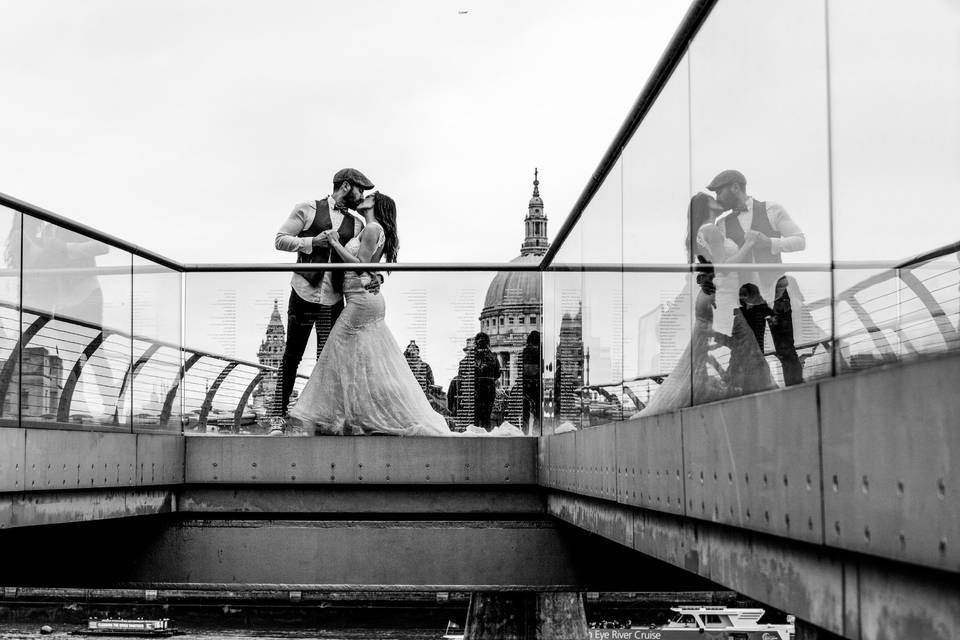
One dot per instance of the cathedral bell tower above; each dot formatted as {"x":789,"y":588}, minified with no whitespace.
{"x":535,"y":242}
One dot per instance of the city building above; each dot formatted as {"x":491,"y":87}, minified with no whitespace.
{"x":40,"y":383}
{"x":270,"y":354}
{"x":513,"y":306}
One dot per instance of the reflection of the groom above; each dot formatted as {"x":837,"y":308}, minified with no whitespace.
{"x":60,"y":270}
{"x":698,"y":376}
{"x":772,"y":231}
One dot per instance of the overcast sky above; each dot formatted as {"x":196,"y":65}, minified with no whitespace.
{"x":192,"y":128}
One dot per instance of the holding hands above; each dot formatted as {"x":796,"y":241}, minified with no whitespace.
{"x":758,"y":239}
{"x":326,"y":239}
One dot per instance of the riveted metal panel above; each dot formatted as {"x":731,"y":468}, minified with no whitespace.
{"x":754,"y":462}
{"x":891,"y":441}
{"x":60,"y":459}
{"x":159,"y":459}
{"x":596,"y":451}
{"x":446,"y":460}
{"x":650,"y":463}
{"x":331,"y":459}
{"x":563,"y":457}
{"x":12,"y":458}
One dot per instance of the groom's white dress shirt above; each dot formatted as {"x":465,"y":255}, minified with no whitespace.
{"x":792,"y":238}
{"x":299,"y":219}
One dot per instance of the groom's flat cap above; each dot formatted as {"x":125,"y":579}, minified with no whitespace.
{"x":730,"y":176}
{"x":353,"y":176}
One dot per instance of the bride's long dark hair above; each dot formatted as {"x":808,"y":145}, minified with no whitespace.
{"x":385,"y":212}
{"x":697,"y":215}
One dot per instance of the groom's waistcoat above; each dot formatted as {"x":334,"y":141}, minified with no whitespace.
{"x":761,"y":223}
{"x":322,"y":222}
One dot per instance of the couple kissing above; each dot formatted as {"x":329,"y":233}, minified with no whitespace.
{"x":361,"y":383}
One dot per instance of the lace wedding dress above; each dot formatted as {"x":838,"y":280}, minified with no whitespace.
{"x":361,"y":384}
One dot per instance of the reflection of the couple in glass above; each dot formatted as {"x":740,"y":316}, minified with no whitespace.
{"x":726,"y":314}
{"x":61,"y":283}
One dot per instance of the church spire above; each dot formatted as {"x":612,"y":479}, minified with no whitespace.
{"x":535,"y":241}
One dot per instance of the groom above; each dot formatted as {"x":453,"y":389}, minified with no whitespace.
{"x":316,"y":297}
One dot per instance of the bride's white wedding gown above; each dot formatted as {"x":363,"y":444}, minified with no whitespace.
{"x":361,"y":383}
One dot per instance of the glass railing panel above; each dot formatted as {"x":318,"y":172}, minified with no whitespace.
{"x":931,"y":304}
{"x":571,"y":250}
{"x":867,"y":306}
{"x":758,"y":104}
{"x":657,"y":321}
{"x":894,"y":127}
{"x":564,"y":351}
{"x":771,"y":332}
{"x":550,"y":332}
{"x":602,"y":221}
{"x":76,"y":327}
{"x":603,"y":333}
{"x":433,"y":322}
{"x":886,"y":315}
{"x":218,"y":397}
{"x":656,"y":178}
{"x":157,"y":347}
{"x":10,"y":222}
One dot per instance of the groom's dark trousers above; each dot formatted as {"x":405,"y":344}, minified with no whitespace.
{"x":302,"y":318}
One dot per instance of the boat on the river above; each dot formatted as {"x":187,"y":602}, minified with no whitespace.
{"x":703,"y":623}
{"x":138,"y":628}
{"x":453,"y":632}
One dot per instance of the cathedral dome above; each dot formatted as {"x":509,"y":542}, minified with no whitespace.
{"x":518,"y":292}
{"x":512,"y":309}
{"x":513,"y":288}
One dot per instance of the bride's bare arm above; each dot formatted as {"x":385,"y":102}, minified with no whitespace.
{"x":368,"y":242}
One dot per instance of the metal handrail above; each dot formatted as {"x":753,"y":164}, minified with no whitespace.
{"x":682,"y":267}
{"x":544,"y":265}
{"x":358,"y":266}
{"x":49,"y":216}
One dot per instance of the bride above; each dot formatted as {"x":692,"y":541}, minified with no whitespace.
{"x":361,"y":383}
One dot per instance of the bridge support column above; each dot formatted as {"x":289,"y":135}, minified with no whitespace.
{"x":806,"y":631}
{"x":526,"y":616}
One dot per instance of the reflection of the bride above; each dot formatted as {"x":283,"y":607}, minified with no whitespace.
{"x":724,"y":312}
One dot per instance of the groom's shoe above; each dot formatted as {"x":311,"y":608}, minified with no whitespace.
{"x":278,"y":426}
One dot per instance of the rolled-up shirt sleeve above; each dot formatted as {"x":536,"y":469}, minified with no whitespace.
{"x":295,"y":223}
{"x":791,"y":236}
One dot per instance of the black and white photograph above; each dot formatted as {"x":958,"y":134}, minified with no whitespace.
{"x":453,"y":320}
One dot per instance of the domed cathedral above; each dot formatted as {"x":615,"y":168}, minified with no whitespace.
{"x":514,"y":303}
